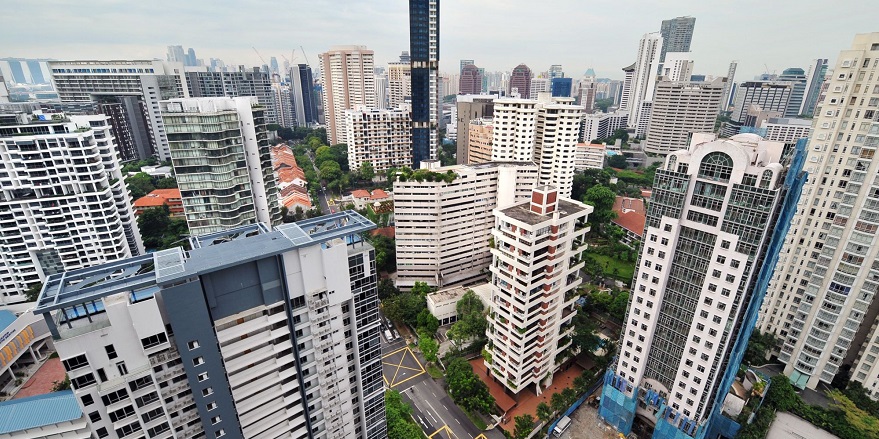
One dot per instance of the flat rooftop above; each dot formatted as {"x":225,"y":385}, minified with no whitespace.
{"x":76,"y":291}
{"x":522,"y":211}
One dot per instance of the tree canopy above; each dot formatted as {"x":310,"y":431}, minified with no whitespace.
{"x":471,"y":318}
{"x":465,"y":387}
{"x":159,"y":231}
{"x":399,"y":417}
{"x":524,"y":426}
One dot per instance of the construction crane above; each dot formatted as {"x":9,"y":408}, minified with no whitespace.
{"x":260,"y":56}
{"x":305,"y":55}
{"x":292,"y":57}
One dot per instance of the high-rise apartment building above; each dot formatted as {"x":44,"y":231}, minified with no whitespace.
{"x":520,"y":82}
{"x":424,"y":28}
{"x":469,"y":108}
{"x":380,"y":137}
{"x":677,"y":34}
{"x":787,"y":130}
{"x":681,"y":108}
{"x":822,"y":301}
{"x":304,"y":98}
{"x":534,"y":277}
{"x":381,"y":91}
{"x":625,"y":102}
{"x":443,"y":227}
{"x":399,"y":84}
{"x":80,"y":82}
{"x":539,"y":85}
{"x":797,"y":77}
{"x":555,"y":71}
{"x":253,"y":82}
{"x":470,"y":81}
{"x":282,"y":100}
{"x":590,"y":156}
{"x":64,"y":205}
{"x":176,"y":54}
{"x":602,"y":125}
{"x":252,"y":333}
{"x":644,"y":82}
{"x":769,"y":95}
{"x":586,"y":98}
{"x":222,"y":161}
{"x":479,"y":138}
{"x":465,"y":62}
{"x":348,"y":79}
{"x":678,"y":66}
{"x":514,"y":124}
{"x":716,"y":221}
{"x":729,"y":85}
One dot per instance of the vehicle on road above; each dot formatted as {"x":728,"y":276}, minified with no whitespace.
{"x":562,"y":426}
{"x":396,"y":334}
{"x":388,"y":336}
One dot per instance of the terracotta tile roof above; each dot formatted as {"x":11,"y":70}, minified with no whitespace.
{"x":631,"y":214}
{"x":360,"y":193}
{"x":378,"y":194}
{"x":158,"y":197}
{"x":389,"y":232}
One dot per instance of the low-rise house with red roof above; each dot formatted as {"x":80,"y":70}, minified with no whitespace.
{"x":160,"y":197}
{"x":631,"y":217}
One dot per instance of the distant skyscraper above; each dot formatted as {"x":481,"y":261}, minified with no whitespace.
{"x":471,"y":81}
{"x":235,"y":191}
{"x":797,"y":76}
{"x":243,"y":82}
{"x":520,"y":80}
{"x":644,"y":81}
{"x":469,"y":108}
{"x":678,"y":66}
{"x":769,"y":95}
{"x":381,"y":91}
{"x":728,"y":85}
{"x":149,"y":80}
{"x":465,"y":62}
{"x":677,"y":34}
{"x":304,"y":97}
{"x":69,"y":207}
{"x":191,"y":60}
{"x":626,"y":91}
{"x":681,"y":108}
{"x":719,"y":213}
{"x":273,"y":64}
{"x":176,"y":54}
{"x":381,"y":137}
{"x":348,"y":79}
{"x":587,"y":96}
{"x":561,"y":87}
{"x":539,"y":85}
{"x":399,"y":84}
{"x":405,"y":58}
{"x":283,"y":101}
{"x":25,"y":71}
{"x":424,"y":49}
{"x":555,"y":71}
{"x":814,"y":79}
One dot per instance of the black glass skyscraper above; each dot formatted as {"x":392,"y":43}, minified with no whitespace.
{"x":424,"y":52}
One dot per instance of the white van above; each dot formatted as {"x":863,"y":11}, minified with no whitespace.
{"x":562,"y":426}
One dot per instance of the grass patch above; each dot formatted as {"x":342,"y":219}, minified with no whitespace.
{"x":434,"y":371}
{"x":625,"y":270}
{"x":476,"y":420}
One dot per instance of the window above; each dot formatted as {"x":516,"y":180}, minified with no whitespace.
{"x":111,"y":351}
{"x":197,"y":361}
{"x":154,"y":340}
{"x":121,"y":367}
{"x":147,"y":399}
{"x":724,"y":245}
{"x":712,"y":332}
{"x":211,"y":406}
{"x":152,"y":414}
{"x":102,"y":375}
{"x":725,"y":292}
{"x":215,"y":420}
{"x":220,"y":433}
{"x":128,"y":429}
{"x":207,"y":391}
{"x":716,"y":166}
{"x":712,"y":287}
{"x":704,"y":314}
{"x":95,"y":417}
{"x":140,"y":383}
{"x":715,"y":273}
{"x":193,"y":345}
{"x":667,"y":228}
{"x":83,"y":381}
{"x":730,"y":278}
{"x":734,"y":263}
{"x":664,"y":241}
{"x":708,"y":300}
{"x":74,"y":363}
{"x":122,"y":413}
{"x":721,"y":259}
{"x":650,"y":251}
{"x":704,"y":357}
{"x":700,"y":326}
{"x":114,"y":397}
{"x":716,"y":319}
{"x":202,"y":376}
{"x":87,"y":400}
{"x":102,"y":432}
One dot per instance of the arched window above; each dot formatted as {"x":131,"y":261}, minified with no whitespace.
{"x":672,"y":162}
{"x":716,"y":166}
{"x":766,"y":178}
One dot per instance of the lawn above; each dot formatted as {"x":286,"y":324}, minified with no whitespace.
{"x":476,"y":419}
{"x":434,"y":371}
{"x":625,"y":270}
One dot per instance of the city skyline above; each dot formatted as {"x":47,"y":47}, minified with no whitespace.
{"x":718,"y":38}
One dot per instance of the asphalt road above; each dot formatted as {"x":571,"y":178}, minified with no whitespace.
{"x":432,"y":408}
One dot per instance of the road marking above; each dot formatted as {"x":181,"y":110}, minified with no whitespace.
{"x":434,"y":395}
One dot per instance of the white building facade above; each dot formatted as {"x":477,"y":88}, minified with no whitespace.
{"x":222,"y":160}
{"x":443,"y":228}
{"x":248,"y":339}
{"x":381,"y":137}
{"x":679,"y":110}
{"x":588,"y":156}
{"x":534,"y":271}
{"x":644,"y":81}
{"x":602,"y":125}
{"x":64,"y":203}
{"x":348,"y":79}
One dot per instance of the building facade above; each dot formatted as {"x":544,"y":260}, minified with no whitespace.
{"x":602,"y":125}
{"x":787,"y":130}
{"x":814,"y":80}
{"x":514,"y":124}
{"x":469,"y":108}
{"x":520,"y":82}
{"x":222,"y":161}
{"x":539,"y":85}
{"x":677,"y":34}
{"x":244,"y":339}
{"x":534,"y":277}
{"x":470,"y":81}
{"x":679,"y":110}
{"x":480,"y":134}
{"x":64,"y":203}
{"x":424,"y":48}
{"x":149,"y":81}
{"x":588,"y":156}
{"x":562,"y":87}
{"x":797,"y":77}
{"x":380,"y":137}
{"x":821,"y":303}
{"x":304,"y":97}
{"x":644,"y":81}
{"x":717,"y":217}
{"x":399,"y":84}
{"x":348,"y":79}
{"x":443,"y":228}
{"x":244,"y":82}
{"x":556,"y":135}
{"x":678,"y":66}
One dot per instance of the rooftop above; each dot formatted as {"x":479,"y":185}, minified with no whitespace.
{"x":141,"y":275}
{"x":522,"y":211}
{"x":6,"y":318}
{"x":38,"y":411}
{"x":157,"y":197}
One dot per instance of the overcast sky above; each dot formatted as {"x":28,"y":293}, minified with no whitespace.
{"x":498,"y":34}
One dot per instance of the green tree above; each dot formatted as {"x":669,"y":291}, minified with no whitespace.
{"x":405,"y":307}
{"x":466,"y":388}
{"x":618,"y":306}
{"x":544,"y":412}
{"x":617,"y":161}
{"x":398,"y":415}
{"x":140,"y":184}
{"x":330,"y":171}
{"x":429,"y":347}
{"x":781,"y":394}
{"x":557,"y":402}
{"x":386,"y":289}
{"x":524,"y":426}
{"x":584,"y":337}
{"x":569,"y":396}
{"x":153,"y":223}
{"x":33,"y":292}
{"x":427,"y":322}
{"x":602,"y":104}
{"x":601,"y":198}
{"x":367,"y":172}
{"x":166,"y":183}
{"x":759,"y":346}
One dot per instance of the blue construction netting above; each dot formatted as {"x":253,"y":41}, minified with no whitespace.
{"x":616,"y":408}
{"x":793,"y":186}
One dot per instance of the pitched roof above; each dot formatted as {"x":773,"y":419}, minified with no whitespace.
{"x":360,"y":193}
{"x":157,"y":197}
{"x":631,"y":214}
{"x":38,"y":411}
{"x":378,"y":194}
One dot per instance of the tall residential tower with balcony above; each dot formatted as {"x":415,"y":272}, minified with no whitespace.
{"x":534,"y":277}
